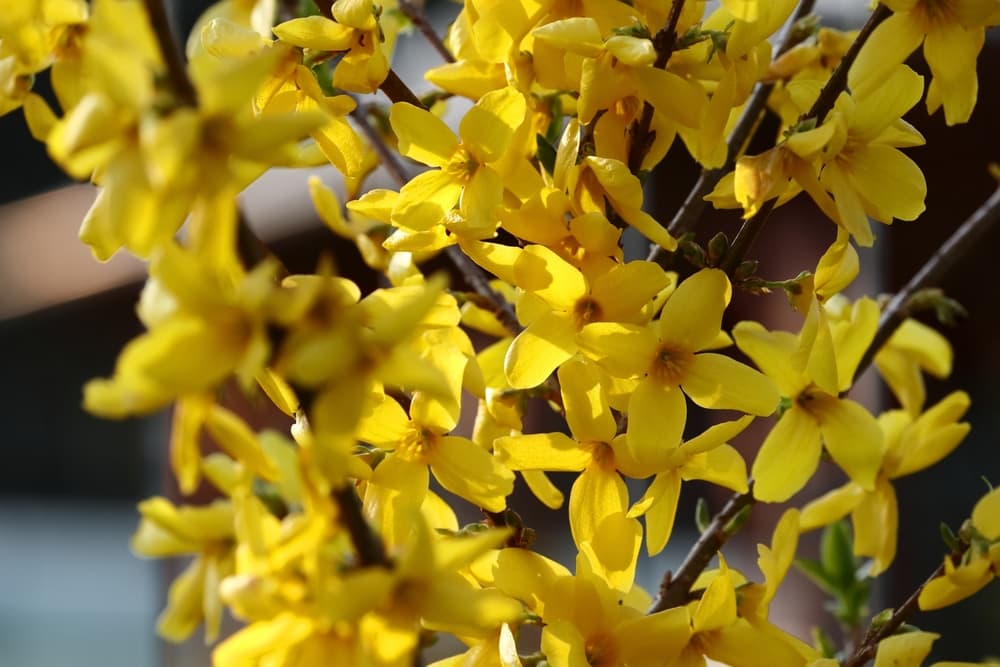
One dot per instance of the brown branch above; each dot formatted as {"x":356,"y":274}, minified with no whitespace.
{"x":388,"y":159}
{"x":675,"y":589}
{"x":838,"y":80}
{"x":397,"y":91}
{"x":869,"y":645}
{"x":963,"y":240}
{"x":171,"y":53}
{"x":419,"y":20}
{"x":694,"y":204}
{"x":836,"y":84}
{"x":367,"y":544}
{"x":664,"y":41}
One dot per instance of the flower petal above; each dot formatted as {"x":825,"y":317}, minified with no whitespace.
{"x":720,"y":383}
{"x":539,"y":349}
{"x":656,"y":417}
{"x":788,"y":457}
{"x":692,"y":316}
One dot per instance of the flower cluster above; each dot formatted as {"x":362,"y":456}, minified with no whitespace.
{"x":330,"y":541}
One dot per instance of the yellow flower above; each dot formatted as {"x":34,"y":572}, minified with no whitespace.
{"x":670,"y":355}
{"x":586,"y":621}
{"x":863,"y":169}
{"x":912,"y":348}
{"x":707,"y":456}
{"x":33,"y":35}
{"x":907,"y":649}
{"x":417,"y":443}
{"x":208,"y":532}
{"x":466,"y":175}
{"x":912,"y":444}
{"x":599,"y":492}
{"x":567,"y":301}
{"x":810,"y":370}
{"x":355,"y":33}
{"x":979,"y":564}
{"x":952,"y":32}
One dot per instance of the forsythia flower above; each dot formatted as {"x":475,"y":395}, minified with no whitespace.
{"x":669,"y":356}
{"x":952,"y":33}
{"x":912,"y":444}
{"x":814,"y":415}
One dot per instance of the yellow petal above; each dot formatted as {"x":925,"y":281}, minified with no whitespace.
{"x":656,"y":639}
{"x":596,"y":495}
{"x":722,"y":465}
{"x":659,"y":505}
{"x":237,"y":439}
{"x":539,"y":349}
{"x":831,"y":507}
{"x":692,"y":317}
{"x":315,"y":32}
{"x":788,"y":457}
{"x":549,"y":276}
{"x":889,"y":45}
{"x":422,"y":136}
{"x":468,"y":471}
{"x":721,"y":383}
{"x":853,"y":438}
{"x":904,"y":650}
{"x":951,"y":51}
{"x":876,"y":522}
{"x":656,"y":418}
{"x":986,"y":515}
{"x":543,"y":488}
{"x":488,"y":127}
{"x":587,"y":411}
{"x":541,"y":451}
{"x":888,"y":180}
{"x":623,"y":350}
{"x":717,"y":607}
{"x":773,"y":353}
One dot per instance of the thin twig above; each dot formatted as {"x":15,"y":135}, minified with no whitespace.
{"x":968,"y":236}
{"x":664,"y":41}
{"x":171,"y":53}
{"x":676,"y":588}
{"x":397,"y":91}
{"x":419,"y":20}
{"x":869,"y":645}
{"x":838,"y":80}
{"x":389,"y":161}
{"x":694,"y":204}
{"x":751,"y":228}
{"x":367,"y":544}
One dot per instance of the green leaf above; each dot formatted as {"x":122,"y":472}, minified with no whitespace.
{"x":823,"y":642}
{"x":837,"y":554}
{"x":815,"y":572}
{"x":546,"y":153}
{"x":734,"y":524}
{"x":949,"y":537}
{"x":702,"y":517}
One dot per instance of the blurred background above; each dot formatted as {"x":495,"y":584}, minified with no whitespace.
{"x":72,"y":593}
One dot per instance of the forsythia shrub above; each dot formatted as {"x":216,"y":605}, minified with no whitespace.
{"x":328,"y":542}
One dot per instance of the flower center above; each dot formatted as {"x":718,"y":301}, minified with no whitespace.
{"x":670,"y":365}
{"x":601,"y":651}
{"x":586,"y":310}
{"x":417,"y":445}
{"x":601,"y":454}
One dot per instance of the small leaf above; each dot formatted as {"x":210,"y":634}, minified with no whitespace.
{"x":837,"y":555}
{"x":949,"y":537}
{"x":814,"y":570}
{"x":823,"y":642}
{"x":546,"y":153}
{"x":702,"y":517}
{"x":734,"y":524}
{"x":881,"y":618}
